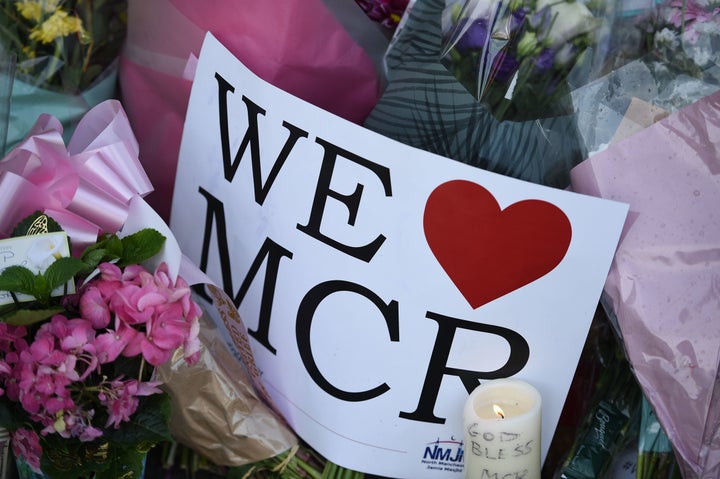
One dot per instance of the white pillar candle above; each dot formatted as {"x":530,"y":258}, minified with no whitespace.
{"x":504,"y":443}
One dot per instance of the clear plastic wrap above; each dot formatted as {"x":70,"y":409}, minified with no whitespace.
{"x":426,"y":107}
{"x":65,"y":59}
{"x":516,"y":57}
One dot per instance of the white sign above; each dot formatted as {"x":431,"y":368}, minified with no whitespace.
{"x":380,"y":283}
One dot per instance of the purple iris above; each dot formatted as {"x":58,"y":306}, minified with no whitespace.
{"x":474,"y":35}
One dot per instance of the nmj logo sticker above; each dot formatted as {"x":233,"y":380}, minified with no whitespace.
{"x":444,"y":455}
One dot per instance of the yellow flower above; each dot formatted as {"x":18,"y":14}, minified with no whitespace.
{"x":59,"y":24}
{"x":33,"y":10}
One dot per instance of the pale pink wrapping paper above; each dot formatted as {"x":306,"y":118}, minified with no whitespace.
{"x":297,"y":45}
{"x":664,"y":283}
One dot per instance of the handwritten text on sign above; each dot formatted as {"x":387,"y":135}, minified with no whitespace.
{"x":380,"y":283}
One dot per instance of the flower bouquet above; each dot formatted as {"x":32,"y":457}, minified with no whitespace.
{"x":88,"y":305}
{"x":515,"y":56}
{"x":76,"y":367}
{"x":65,"y":55}
{"x":684,"y":36}
{"x":678,"y":64}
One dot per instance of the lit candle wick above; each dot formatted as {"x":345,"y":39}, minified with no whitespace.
{"x":498,"y":410}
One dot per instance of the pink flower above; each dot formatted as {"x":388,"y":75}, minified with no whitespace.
{"x":690,"y":11}
{"x":121,"y":398}
{"x":26,"y":444}
{"x":94,"y":308}
{"x":191,"y":347}
{"x":78,"y":423}
{"x":109,"y":346}
{"x":153,"y":316}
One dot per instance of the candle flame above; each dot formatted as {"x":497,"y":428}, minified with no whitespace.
{"x":498,"y":410}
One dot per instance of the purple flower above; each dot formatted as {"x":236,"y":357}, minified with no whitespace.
{"x":504,"y":67}
{"x":473,"y":36}
{"x":544,"y":61}
{"x":385,"y":12}
{"x":517,"y":19}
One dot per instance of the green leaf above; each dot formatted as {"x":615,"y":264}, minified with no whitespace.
{"x":11,"y":414}
{"x":69,"y":458}
{"x":41,"y":291}
{"x":18,"y":279}
{"x":114,"y":246}
{"x":106,"y":249}
{"x":25,"y":317}
{"x":93,"y":257}
{"x":149,"y":424}
{"x":124,"y":462}
{"x":29,"y":225}
{"x":62,"y":270}
{"x":141,"y":246}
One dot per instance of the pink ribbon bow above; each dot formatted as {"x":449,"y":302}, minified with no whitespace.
{"x":86,"y":187}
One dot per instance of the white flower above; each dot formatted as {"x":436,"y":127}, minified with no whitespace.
{"x":666,"y":37}
{"x":44,"y":251}
{"x":568,"y":20}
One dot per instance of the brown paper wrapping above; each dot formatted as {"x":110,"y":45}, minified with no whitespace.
{"x":215,"y":408}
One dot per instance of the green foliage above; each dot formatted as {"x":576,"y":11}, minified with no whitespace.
{"x":131,"y":249}
{"x":26,"y":317}
{"x":149,"y":424}
{"x":11,"y":414}
{"x":118,"y":453}
{"x":20,"y":280}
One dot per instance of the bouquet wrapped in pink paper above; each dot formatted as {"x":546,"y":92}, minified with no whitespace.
{"x":662,"y":286}
{"x":327,"y":53}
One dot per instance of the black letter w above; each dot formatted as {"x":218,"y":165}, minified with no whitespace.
{"x":252,"y":138}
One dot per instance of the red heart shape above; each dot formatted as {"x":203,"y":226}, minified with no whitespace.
{"x":489,"y":252}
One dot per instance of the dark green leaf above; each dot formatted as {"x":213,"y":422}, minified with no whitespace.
{"x":62,"y":270}
{"x":28,"y":226}
{"x":94,"y":256}
{"x":18,"y":279}
{"x":11,"y":414}
{"x":114,"y":246}
{"x":141,"y":246}
{"x":124,"y":462}
{"x":148,"y":425}
{"x":107,"y":248}
{"x":70,"y":459}
{"x":25,"y":317}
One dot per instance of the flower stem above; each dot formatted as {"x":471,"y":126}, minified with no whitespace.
{"x":142,"y":366}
